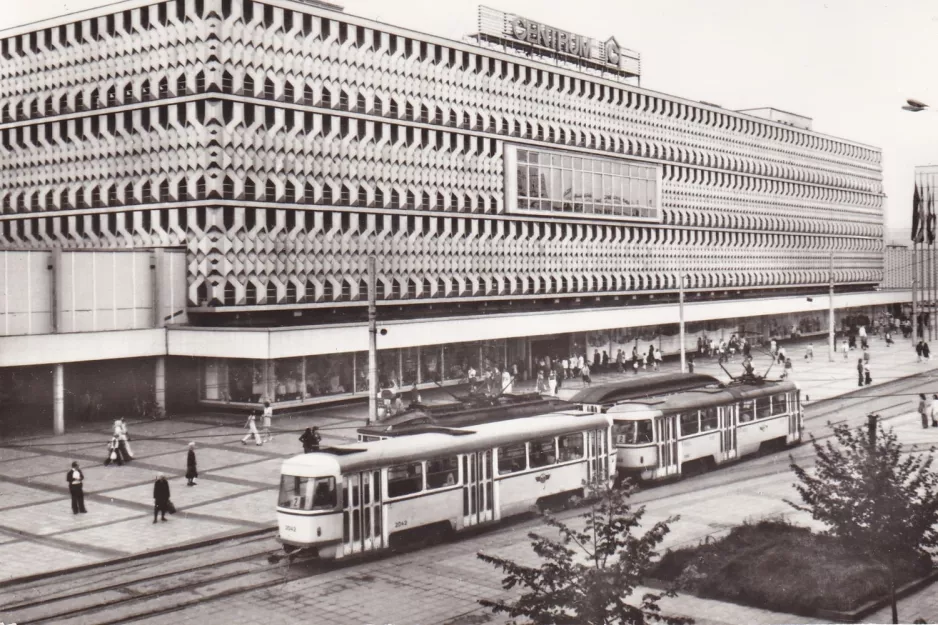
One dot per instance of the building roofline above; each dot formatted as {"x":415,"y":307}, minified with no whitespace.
{"x":323,"y":11}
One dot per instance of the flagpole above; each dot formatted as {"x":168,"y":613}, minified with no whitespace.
{"x":914,"y":285}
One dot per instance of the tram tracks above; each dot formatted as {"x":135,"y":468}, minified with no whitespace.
{"x":149,"y":586}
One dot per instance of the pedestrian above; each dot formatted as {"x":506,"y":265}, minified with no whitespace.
{"x":620,"y":361}
{"x":114,"y":452}
{"x":552,"y":383}
{"x":540,"y":386}
{"x":265,"y":422}
{"x":507,"y":381}
{"x":926,"y":352}
{"x":888,"y":337}
{"x":251,"y":425}
{"x":933,"y":413}
{"x":787,"y":371}
{"x":657,"y":355}
{"x":859,"y":372}
{"x":866,"y":373}
{"x":191,"y":470}
{"x":310,"y":439}
{"x":923,"y":409}
{"x":690,"y":363}
{"x":605,"y":360}
{"x":773,"y":347}
{"x":161,"y":503}
{"x":566,"y":366}
{"x":809,"y":353}
{"x":585,"y":373}
{"x":559,"y":376}
{"x":76,"y":480}
{"x":918,"y":349}
{"x":781,"y":355}
{"x":120,"y":430}
{"x":844,"y":347}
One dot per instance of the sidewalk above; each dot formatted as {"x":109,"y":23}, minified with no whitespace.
{"x":237,"y":488}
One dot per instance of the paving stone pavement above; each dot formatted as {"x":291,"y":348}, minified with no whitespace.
{"x":237,"y":489}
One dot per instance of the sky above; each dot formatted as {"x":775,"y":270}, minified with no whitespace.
{"x":847,"y":64}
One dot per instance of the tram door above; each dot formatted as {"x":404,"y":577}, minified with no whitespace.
{"x":597,"y":460}
{"x":728,"y":449}
{"x":666,"y":441}
{"x":477,"y":488}
{"x":362,"y":516}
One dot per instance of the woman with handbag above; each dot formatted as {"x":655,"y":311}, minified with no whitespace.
{"x":191,"y":471}
{"x":161,"y":502}
{"x":114,"y":452}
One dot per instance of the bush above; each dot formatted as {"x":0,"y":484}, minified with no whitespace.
{"x":777,"y":566}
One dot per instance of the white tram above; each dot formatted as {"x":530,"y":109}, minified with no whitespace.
{"x":353,"y":499}
{"x":664,"y":437}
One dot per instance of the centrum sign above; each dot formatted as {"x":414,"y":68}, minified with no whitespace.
{"x":508,"y":27}
{"x":538,"y":34}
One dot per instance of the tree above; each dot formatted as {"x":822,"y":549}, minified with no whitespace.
{"x":586,"y":575}
{"x":879,"y":502}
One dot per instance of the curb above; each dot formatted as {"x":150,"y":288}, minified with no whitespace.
{"x":133,"y":557}
{"x":867,"y":608}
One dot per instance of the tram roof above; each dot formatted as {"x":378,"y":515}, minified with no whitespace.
{"x":365,"y":456}
{"x":704,"y":398}
{"x":645,"y":386}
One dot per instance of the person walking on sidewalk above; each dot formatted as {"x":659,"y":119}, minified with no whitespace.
{"x":585,"y":373}
{"x":114,"y":452}
{"x":310,"y":439}
{"x":859,"y":372}
{"x":160,"y":497}
{"x":923,"y":409}
{"x":919,"y":349}
{"x":251,"y":425}
{"x":866,"y":374}
{"x":809,"y":352}
{"x":76,"y":479}
{"x":191,"y":470}
{"x":926,"y":352}
{"x":552,"y":383}
{"x":265,"y":421}
{"x":933,"y":413}
{"x":845,"y":348}
{"x":120,"y":431}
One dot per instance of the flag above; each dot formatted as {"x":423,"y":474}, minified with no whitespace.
{"x":917,"y":226}
{"x":930,"y":224}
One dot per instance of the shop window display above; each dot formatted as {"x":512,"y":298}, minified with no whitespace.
{"x":241,"y":374}
{"x":289,"y":379}
{"x":431,"y":363}
{"x":458,"y":357}
{"x":329,"y":375}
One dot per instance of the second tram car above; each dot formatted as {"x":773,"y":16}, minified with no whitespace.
{"x":665,"y":437}
{"x":356,"y":498}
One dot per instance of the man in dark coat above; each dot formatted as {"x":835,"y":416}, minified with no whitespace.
{"x":160,"y":497}
{"x":310,"y":439}
{"x":191,"y":470}
{"x":75,"y":479}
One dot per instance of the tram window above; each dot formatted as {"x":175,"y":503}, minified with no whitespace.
{"x":511,"y":459}
{"x":763,"y":409}
{"x":571,"y":447}
{"x":779,"y":405}
{"x":307,"y":493}
{"x":442,"y":472}
{"x":543,"y":453}
{"x":405,"y":479}
{"x":747,"y":411}
{"x":633,"y":432}
{"x":689,"y":424}
{"x":708,"y":419}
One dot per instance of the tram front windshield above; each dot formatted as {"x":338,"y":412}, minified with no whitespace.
{"x":307,"y":493}
{"x":633,"y":432}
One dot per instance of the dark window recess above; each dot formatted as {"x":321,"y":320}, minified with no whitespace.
{"x":247,"y":10}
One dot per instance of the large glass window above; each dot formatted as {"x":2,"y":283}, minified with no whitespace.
{"x":763,"y":409}
{"x":405,"y":479}
{"x":542,"y":453}
{"x":747,"y":411}
{"x":632,"y":432}
{"x":328,"y":375}
{"x":689,"y":424}
{"x":559,"y":182}
{"x":307,"y":493}
{"x":571,"y":447}
{"x":442,"y":472}
{"x":708,"y":419}
{"x":779,"y":403}
{"x":511,"y":459}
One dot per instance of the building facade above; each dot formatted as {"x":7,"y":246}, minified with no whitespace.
{"x":279,"y":144}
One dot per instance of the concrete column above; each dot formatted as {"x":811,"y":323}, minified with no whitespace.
{"x":159,"y":384}
{"x":58,"y":399}
{"x":270,"y":381}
